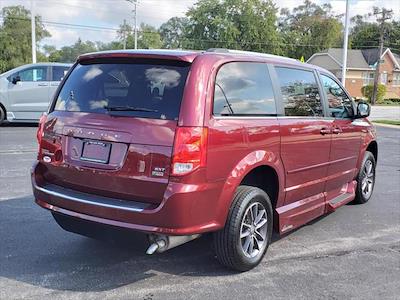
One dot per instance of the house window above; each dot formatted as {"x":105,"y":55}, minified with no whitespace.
{"x":384,"y":78}
{"x":368,"y":78}
{"x":396,"y":78}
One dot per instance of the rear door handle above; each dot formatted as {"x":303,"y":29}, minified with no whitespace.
{"x":336,"y":130}
{"x":43,"y":84}
{"x":324,"y":131}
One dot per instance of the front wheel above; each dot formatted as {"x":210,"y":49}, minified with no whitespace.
{"x":366,"y":179}
{"x":244,"y":240}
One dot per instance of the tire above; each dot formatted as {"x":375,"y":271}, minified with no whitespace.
{"x":229,"y":247}
{"x":2,"y":115}
{"x":365,"y":179}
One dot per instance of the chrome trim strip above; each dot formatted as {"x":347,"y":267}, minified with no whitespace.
{"x":72,"y":198}
{"x":243,"y":117}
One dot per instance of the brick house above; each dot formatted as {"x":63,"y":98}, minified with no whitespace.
{"x":361,"y":68}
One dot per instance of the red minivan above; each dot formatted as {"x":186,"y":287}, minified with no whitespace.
{"x":176,"y":144}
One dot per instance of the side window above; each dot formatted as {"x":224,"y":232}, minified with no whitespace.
{"x":243,"y":88}
{"x":340,"y":106}
{"x":299,"y":92}
{"x":59,"y":73}
{"x":33,"y":74}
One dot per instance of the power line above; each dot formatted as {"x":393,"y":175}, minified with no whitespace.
{"x":191,"y":40}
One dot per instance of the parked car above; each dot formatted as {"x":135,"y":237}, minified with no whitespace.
{"x":177,"y":144}
{"x":26,"y":91}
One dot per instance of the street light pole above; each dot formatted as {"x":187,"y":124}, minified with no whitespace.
{"x":33,"y":32}
{"x":345,"y":44}
{"x":136,"y":24}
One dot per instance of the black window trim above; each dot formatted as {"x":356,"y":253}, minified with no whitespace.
{"x":325,"y":109}
{"x":245,"y":116}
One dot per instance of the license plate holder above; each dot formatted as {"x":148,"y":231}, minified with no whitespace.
{"x":96,"y":151}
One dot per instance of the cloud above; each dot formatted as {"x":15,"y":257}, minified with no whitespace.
{"x":111,"y":13}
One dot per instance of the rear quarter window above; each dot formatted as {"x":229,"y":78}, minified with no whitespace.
{"x":243,"y":88}
{"x":144,"y":89}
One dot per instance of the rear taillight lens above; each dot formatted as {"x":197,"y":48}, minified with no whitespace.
{"x":40,"y":130}
{"x":189,"y":151}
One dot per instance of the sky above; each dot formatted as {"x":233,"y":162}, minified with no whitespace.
{"x":108,"y":14}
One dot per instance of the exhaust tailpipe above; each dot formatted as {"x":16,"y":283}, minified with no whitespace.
{"x":161,"y":243}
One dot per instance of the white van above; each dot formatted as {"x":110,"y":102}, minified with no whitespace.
{"x":26,"y":91}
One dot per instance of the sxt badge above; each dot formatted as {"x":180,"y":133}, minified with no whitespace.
{"x":157,"y":171}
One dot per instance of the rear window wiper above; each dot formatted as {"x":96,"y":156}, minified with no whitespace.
{"x":128,"y":108}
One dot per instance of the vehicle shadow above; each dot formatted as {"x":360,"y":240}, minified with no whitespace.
{"x":12,"y":124}
{"x":36,"y":251}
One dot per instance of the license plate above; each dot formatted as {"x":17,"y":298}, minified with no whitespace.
{"x":95,"y":151}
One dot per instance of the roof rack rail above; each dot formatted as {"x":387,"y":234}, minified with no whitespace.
{"x":224,"y":50}
{"x":218,"y":50}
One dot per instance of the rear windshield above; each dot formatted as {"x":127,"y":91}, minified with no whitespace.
{"x":124,"y":89}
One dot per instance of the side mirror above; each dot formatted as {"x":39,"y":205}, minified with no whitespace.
{"x":363,"y":110}
{"x":16,"y":79}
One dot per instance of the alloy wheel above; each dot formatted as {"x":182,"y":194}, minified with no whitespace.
{"x":368,"y":178}
{"x":253,"y":231}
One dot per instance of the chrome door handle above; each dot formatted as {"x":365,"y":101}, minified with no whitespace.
{"x":324,"y":131}
{"x":43,"y":84}
{"x":336,"y":130}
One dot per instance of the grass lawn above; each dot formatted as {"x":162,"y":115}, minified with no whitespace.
{"x":388,"y":104}
{"x":389,"y":122}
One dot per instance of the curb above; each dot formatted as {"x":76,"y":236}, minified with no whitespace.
{"x":386,"y":125}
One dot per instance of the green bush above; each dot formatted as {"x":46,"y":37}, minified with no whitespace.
{"x":368,"y":90}
{"x":393,"y":100}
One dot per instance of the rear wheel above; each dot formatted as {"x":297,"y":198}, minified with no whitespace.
{"x":365,"y":179}
{"x":2,"y":115}
{"x":242,"y":243}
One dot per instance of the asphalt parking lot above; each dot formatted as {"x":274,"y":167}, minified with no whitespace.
{"x":352,"y":253}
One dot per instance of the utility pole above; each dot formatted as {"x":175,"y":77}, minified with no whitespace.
{"x":33,"y":31}
{"x":134,"y":2}
{"x":345,"y":42}
{"x":385,"y":15}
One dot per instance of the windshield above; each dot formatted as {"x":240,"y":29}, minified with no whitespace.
{"x":124,"y":89}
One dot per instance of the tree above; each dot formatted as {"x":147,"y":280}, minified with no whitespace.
{"x":246,"y":25}
{"x":309,"y":28}
{"x":124,"y":31}
{"x":148,"y":38}
{"x":172,"y":32}
{"x":15,"y":37}
{"x":365,"y":34}
{"x":68,"y":54}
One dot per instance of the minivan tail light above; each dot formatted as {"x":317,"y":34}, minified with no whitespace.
{"x":189,"y":151}
{"x":40,"y":130}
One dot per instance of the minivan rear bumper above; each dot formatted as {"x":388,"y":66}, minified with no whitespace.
{"x":185,"y":209}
